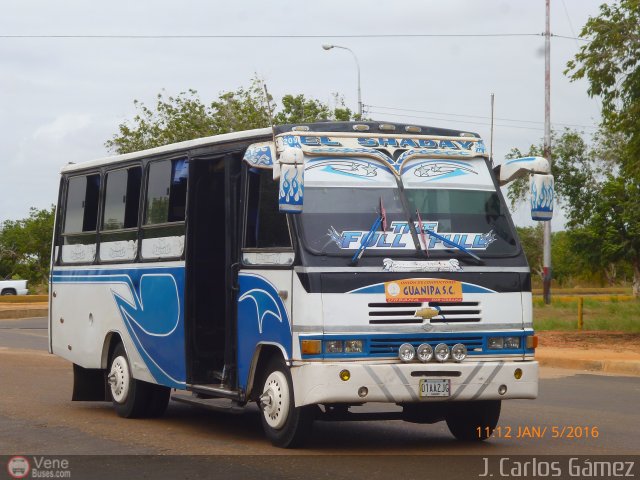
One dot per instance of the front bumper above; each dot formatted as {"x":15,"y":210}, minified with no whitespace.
{"x":315,"y":383}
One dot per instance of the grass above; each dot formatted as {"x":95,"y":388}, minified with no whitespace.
{"x":586,"y":290}
{"x":608,"y":315}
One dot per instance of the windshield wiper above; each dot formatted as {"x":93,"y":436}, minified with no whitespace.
{"x":380,"y":220}
{"x":453,"y":244}
{"x":414,"y":233}
{"x":412,"y":227}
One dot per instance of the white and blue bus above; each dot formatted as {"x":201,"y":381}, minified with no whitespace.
{"x":309,"y":269}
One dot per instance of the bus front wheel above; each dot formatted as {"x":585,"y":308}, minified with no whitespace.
{"x":133,"y":398}
{"x":473,"y":421}
{"x":286,"y":425}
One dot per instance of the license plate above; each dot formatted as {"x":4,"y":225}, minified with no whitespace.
{"x":435,"y":388}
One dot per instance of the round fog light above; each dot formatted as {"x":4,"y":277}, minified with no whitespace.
{"x":425,"y":352}
{"x":363,"y":391}
{"x":406,"y":352}
{"x":345,"y":375}
{"x":502,"y":389}
{"x":459,"y":352}
{"x":517,"y":374}
{"x":442,"y":352}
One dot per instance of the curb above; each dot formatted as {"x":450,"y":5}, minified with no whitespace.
{"x":626,"y":367}
{"x":16,"y":314}
{"x":5,"y":299}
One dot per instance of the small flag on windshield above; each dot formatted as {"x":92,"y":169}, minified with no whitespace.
{"x":422,"y":235}
{"x":383,"y":215}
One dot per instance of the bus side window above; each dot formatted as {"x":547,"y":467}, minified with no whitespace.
{"x":81,"y":219}
{"x":163,"y":229}
{"x":119,"y":233}
{"x":266,"y":227}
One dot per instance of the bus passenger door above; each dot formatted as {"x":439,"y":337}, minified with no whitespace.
{"x":266,"y":273}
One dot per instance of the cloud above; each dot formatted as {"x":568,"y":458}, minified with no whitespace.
{"x":62,"y":127}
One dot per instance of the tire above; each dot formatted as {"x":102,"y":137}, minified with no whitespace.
{"x":473,"y":421}
{"x":9,"y":291}
{"x":158,"y":401}
{"x":131,"y":398}
{"x":284,"y":424}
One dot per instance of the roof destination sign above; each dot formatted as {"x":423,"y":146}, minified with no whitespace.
{"x":393,"y":142}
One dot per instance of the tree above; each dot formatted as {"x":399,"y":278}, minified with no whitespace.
{"x":601,"y":201}
{"x":576,"y":169}
{"x":185,"y":116}
{"x":568,"y":264}
{"x":610,"y":62}
{"x":174,"y":119}
{"x":25,"y":245}
{"x":531,"y":241}
{"x":571,"y":265}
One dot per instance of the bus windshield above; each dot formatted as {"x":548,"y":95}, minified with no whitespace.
{"x":336,"y":219}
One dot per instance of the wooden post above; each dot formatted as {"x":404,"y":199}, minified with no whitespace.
{"x":580,"y":314}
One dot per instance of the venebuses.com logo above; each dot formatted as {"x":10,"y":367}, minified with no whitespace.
{"x":18,"y":467}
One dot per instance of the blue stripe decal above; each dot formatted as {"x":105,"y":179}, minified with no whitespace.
{"x":466,"y":288}
{"x":153,"y":314}
{"x":262,"y":319}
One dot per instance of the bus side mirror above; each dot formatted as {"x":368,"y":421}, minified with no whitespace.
{"x":542,"y":193}
{"x":520,"y":167}
{"x":291,"y":188}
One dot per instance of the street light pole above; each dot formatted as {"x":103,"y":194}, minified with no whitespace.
{"x":329,"y":47}
{"x":546,"y":254}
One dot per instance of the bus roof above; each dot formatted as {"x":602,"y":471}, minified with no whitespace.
{"x":387,"y":129}
{"x":173,"y":147}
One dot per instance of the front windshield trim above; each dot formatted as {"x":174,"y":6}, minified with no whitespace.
{"x":332,"y":235}
{"x":463,"y":211}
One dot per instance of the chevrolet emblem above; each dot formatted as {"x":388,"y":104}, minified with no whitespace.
{"x":426,"y":313}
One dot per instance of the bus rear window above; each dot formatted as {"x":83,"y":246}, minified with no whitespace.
{"x":122,"y":199}
{"x":167,"y":191}
{"x":82,"y":204}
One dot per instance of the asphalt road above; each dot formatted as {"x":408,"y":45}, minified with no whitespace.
{"x":37,"y":417}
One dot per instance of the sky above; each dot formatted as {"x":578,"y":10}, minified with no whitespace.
{"x":62,"y":98}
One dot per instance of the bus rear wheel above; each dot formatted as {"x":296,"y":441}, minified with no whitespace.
{"x":286,"y":425}
{"x":473,"y":421}
{"x":134,"y":398}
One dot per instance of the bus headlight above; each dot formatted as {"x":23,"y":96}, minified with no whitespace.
{"x":458,"y":352}
{"x":495,"y":343}
{"x":442,"y":352}
{"x":511,"y":343}
{"x":333,"y":346}
{"x":425,"y":352}
{"x":353,"y":346}
{"x":406,"y":352}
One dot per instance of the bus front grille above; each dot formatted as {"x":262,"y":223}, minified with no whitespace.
{"x":405,"y":313}
{"x":390,"y":346}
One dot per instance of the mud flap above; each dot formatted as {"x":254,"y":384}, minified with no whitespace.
{"x":89,"y":385}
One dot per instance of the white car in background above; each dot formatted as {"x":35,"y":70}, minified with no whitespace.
{"x":13,"y":287}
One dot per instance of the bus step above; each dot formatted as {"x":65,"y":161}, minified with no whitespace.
{"x":215,"y":390}
{"x":218,"y":404}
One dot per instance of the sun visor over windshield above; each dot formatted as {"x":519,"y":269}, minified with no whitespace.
{"x":444,"y":173}
{"x":347,"y":172}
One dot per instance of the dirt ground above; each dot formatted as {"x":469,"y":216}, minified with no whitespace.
{"x":590,"y":340}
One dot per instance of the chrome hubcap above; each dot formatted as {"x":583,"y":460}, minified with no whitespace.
{"x":275,"y":400}
{"x":118,"y":379}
